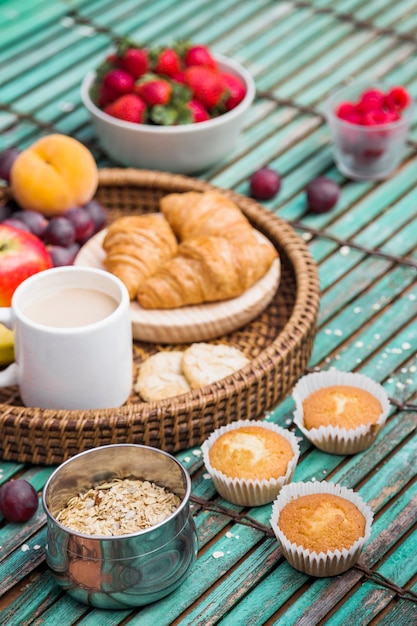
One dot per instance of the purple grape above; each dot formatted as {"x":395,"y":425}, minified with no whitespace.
{"x":322,"y":194}
{"x":7,"y":158}
{"x":5,"y":212}
{"x":11,"y":221}
{"x":18,"y":500}
{"x":35,"y":221}
{"x":83,"y":223}
{"x":59,"y":232}
{"x":98,"y":214}
{"x":63,"y":256}
{"x":264,"y":184}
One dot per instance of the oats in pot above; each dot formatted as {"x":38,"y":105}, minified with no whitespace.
{"x":118,"y":507}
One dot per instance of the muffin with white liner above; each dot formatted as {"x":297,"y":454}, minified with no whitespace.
{"x":250,"y":462}
{"x":322,"y":527}
{"x":340,"y":412}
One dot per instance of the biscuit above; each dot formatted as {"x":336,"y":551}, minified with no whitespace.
{"x":204,"y":363}
{"x":160,"y":376}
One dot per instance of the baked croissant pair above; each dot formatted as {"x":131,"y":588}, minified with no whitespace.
{"x":219,"y":255}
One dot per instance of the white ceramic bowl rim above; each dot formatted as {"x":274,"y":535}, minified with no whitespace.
{"x":227,"y":63}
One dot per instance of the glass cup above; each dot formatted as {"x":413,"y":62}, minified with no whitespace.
{"x":366,"y":152}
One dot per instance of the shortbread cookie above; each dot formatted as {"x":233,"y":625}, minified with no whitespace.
{"x":160,"y":376}
{"x":204,"y":363}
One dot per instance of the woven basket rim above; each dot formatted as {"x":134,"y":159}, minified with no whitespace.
{"x":299,"y":325}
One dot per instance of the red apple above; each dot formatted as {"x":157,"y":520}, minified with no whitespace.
{"x":21,"y":255}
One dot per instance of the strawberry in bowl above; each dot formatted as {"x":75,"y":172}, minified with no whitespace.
{"x":179,"y":108}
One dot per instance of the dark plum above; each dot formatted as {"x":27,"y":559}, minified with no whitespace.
{"x":98,"y":214}
{"x":63,"y":256}
{"x":11,"y":221}
{"x":264,"y":184}
{"x":18,"y":500}
{"x":6,"y":211}
{"x":322,"y":194}
{"x":7,"y":158}
{"x":35,"y":221}
{"x":59,"y":232}
{"x":83,"y":223}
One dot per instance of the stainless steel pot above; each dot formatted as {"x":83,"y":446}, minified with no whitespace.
{"x":125,"y":570}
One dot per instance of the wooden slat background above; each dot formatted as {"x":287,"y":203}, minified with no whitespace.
{"x":366,"y":251}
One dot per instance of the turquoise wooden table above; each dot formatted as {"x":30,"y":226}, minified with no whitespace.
{"x":366,"y":252}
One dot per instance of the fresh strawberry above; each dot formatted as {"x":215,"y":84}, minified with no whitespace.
{"x":114,"y":84}
{"x":112,"y":58}
{"x":198,"y":112}
{"x":166,"y":62}
{"x":199,"y":55}
{"x":207,"y":86}
{"x":237,"y":90}
{"x":179,"y":77}
{"x":153,"y":90}
{"x":129,"y":108}
{"x":135,"y":61}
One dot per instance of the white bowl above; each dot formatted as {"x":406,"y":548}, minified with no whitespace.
{"x":183,"y":149}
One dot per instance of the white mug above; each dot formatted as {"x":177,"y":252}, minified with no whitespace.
{"x":73,"y":339}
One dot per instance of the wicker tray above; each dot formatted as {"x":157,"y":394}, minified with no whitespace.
{"x":279,"y":343}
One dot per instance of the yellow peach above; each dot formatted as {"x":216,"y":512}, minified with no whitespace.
{"x":54,"y":174}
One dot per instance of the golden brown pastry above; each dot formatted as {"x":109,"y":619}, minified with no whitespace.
{"x":194,"y":214}
{"x":135,"y":246}
{"x":206,"y":269}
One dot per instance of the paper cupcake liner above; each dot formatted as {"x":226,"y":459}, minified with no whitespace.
{"x":330,"y":563}
{"x":250,"y":492}
{"x":334,"y":439}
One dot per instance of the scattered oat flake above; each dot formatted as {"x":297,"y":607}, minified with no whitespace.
{"x":406,"y":345}
{"x":400,"y":385}
{"x":25,"y":547}
{"x":327,"y":331}
{"x":338,"y":333}
{"x":218,"y":554}
{"x":357,"y":309}
{"x":187,"y":459}
{"x":413,"y":368}
{"x":197,"y":452}
{"x":67,"y":107}
{"x":37,"y":547}
{"x":206,"y":476}
{"x":118,"y":507}
{"x":359,"y":344}
{"x":87,"y":31}
{"x":67,"y":22}
{"x":307,"y":236}
{"x":229,"y":535}
{"x":412,"y":296}
{"x":344,"y":250}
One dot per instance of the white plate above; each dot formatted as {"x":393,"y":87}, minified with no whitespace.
{"x":198,"y":322}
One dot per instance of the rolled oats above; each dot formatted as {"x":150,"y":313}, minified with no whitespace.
{"x":118,"y":507}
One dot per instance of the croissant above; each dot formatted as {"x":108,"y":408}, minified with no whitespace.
{"x":206,"y":269}
{"x":194,"y":214}
{"x":135,"y":246}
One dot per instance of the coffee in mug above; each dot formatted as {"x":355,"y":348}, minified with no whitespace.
{"x":73,"y":339}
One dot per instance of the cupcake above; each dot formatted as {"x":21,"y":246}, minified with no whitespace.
{"x":340,"y":412}
{"x":321,"y":527}
{"x":250,"y":462}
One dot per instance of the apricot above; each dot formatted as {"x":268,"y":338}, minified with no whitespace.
{"x":54,"y":174}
